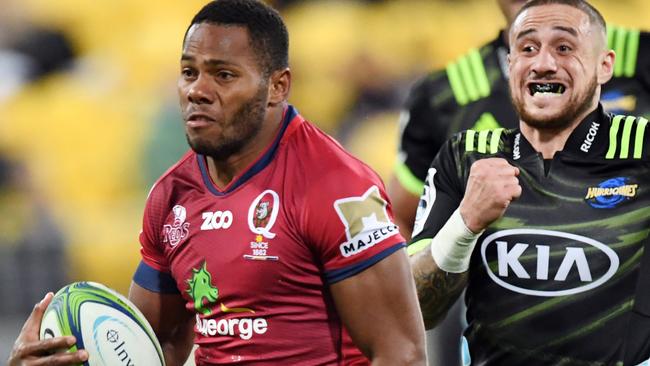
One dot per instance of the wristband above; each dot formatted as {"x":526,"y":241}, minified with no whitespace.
{"x":452,"y":247}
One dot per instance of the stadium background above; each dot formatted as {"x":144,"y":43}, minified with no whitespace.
{"x":89,"y":117}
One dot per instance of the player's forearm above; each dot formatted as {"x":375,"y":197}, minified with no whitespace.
{"x":416,"y":359}
{"x":176,"y":352}
{"x":406,"y":342}
{"x":437,"y":289}
{"x":177,"y":344}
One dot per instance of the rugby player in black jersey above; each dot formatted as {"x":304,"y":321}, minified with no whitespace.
{"x":471,"y":92}
{"x":544,"y":225}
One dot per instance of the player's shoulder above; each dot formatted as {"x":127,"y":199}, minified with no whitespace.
{"x":484,"y":142}
{"x":181,"y":170}
{"x":321,"y":158}
{"x":631,"y":45}
{"x":468,"y":78}
{"x":628,"y":138}
{"x":473,"y":75}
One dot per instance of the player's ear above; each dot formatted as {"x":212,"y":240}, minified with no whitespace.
{"x":606,"y":66}
{"x":279,"y":86}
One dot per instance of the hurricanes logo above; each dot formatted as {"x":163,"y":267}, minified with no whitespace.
{"x":200,"y":289}
{"x":366,"y":221}
{"x":175,"y":233}
{"x":610,"y":193}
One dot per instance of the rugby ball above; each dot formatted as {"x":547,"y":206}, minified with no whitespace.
{"x":106,"y":324}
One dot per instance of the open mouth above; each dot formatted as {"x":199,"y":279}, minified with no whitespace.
{"x":546,"y":88}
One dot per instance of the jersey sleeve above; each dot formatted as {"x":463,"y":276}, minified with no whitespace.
{"x":153,"y":273}
{"x":348,"y":222}
{"x":441,"y":196}
{"x":422,"y":134}
{"x":150,"y":243}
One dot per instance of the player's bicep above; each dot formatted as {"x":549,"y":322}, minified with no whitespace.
{"x":170,"y":320}
{"x":354,"y":227}
{"x":163,"y":311}
{"x":379,"y":309}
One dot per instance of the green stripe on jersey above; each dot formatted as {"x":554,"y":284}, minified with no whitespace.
{"x":625,"y":42}
{"x":631,"y":53}
{"x":407,"y":179}
{"x":482,"y":81}
{"x":494,"y":141}
{"x":638,"y":139}
{"x":619,"y":47}
{"x":453,"y":74}
{"x":468,"y":79}
{"x":486,"y":122}
{"x":469,"y":140}
{"x":482,"y":141}
{"x":486,"y":139}
{"x":625,"y":138}
{"x":613,"y":132}
{"x":418,"y":246}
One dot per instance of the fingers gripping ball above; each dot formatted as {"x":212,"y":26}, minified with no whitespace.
{"x":106,"y":324}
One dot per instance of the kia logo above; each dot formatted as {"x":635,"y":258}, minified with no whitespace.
{"x":547,"y":270}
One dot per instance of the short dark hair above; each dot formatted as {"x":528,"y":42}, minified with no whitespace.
{"x":267,"y":33}
{"x":595,"y":17}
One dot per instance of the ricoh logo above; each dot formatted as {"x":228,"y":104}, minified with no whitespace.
{"x":216,"y":220}
{"x":516,"y":154}
{"x":591,"y":135}
{"x":528,"y":263}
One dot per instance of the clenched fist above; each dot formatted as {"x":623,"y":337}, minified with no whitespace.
{"x":491,"y":186}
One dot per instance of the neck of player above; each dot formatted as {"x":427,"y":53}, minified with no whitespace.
{"x":224,"y":171}
{"x":548,"y":141}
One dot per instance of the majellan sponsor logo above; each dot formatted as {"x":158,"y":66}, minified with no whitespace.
{"x":510,"y":248}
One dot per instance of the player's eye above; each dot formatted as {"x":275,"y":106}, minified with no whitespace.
{"x":188,"y":72}
{"x":564,"y":48}
{"x":225,"y":75}
{"x":528,"y":49}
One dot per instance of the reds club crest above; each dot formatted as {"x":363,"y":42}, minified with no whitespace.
{"x":176,"y":232}
{"x":263,"y":212}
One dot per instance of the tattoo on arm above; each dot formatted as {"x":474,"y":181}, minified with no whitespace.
{"x":437,"y":289}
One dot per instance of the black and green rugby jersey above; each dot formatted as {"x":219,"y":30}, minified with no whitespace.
{"x":472,"y":93}
{"x":553,"y":281}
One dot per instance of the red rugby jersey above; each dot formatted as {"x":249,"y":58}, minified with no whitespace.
{"x":254,"y":261}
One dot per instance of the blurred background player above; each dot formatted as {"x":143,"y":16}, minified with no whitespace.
{"x":472,"y":93}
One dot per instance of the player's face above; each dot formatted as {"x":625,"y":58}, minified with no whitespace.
{"x":223,"y":94}
{"x":556,"y":63}
{"x":510,"y":8}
